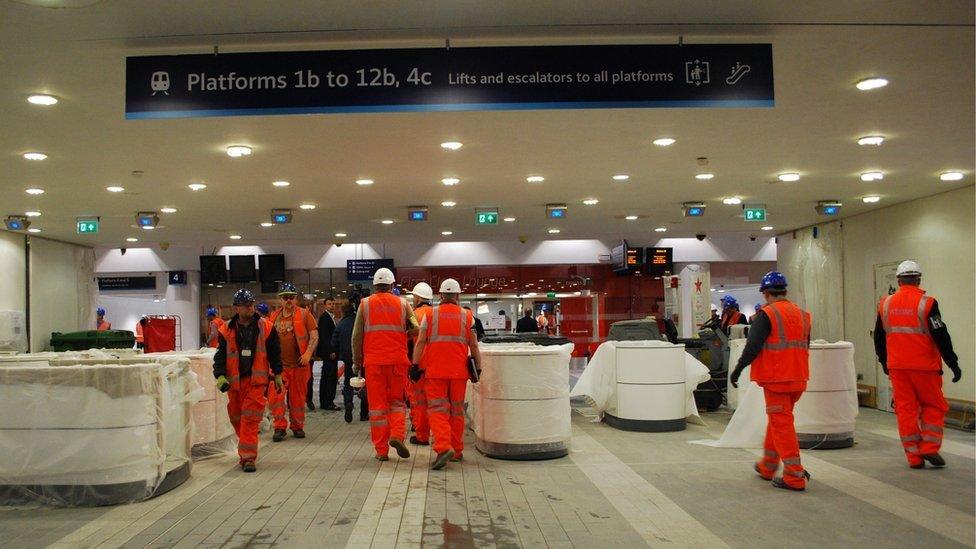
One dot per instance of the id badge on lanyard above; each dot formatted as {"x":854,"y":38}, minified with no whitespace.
{"x":245,"y":352}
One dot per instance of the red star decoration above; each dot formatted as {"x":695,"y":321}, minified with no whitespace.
{"x":698,"y":286}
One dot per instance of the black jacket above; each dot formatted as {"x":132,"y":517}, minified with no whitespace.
{"x":341,"y":342}
{"x":479,"y":328}
{"x":526,"y":324}
{"x":326,"y":327}
{"x":937,"y":329}
{"x":272,"y":346}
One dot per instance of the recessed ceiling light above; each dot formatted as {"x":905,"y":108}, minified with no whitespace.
{"x":871,"y":199}
{"x":621,"y":177}
{"x":364,"y":182}
{"x":767,"y":228}
{"x":872,"y":83}
{"x":705,"y":176}
{"x":42,"y":99}
{"x":788,"y":177}
{"x":535,"y":179}
{"x":944,"y":176}
{"x":267,"y":224}
{"x":340,"y":235}
{"x":482,"y":295}
{"x":664,"y":142}
{"x":34,"y":156}
{"x":32,"y":214}
{"x":237,"y":151}
{"x":132,"y":239}
{"x":450,"y":181}
{"x":509,"y":220}
{"x":447,"y":233}
{"x":168,"y":210}
{"x":35,"y":190}
{"x":591,"y":202}
{"x":871,"y":140}
{"x":114,"y":189}
{"x":452,"y":145}
{"x":280,"y":183}
{"x":631,"y":218}
{"x":661,"y":230}
{"x":531,"y":294}
{"x":872,"y":176}
{"x":148,"y":227}
{"x":448,"y":203}
{"x":721,"y":291}
{"x":197,"y":186}
{"x":236,"y":237}
{"x":33,"y":230}
{"x":732,"y":201}
{"x":554,"y":231}
{"x":711,"y":289}
{"x":387,"y":222}
{"x":307,"y":206}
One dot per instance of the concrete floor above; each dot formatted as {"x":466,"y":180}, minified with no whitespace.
{"x":615,"y":489}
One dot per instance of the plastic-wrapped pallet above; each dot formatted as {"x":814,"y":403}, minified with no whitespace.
{"x":520,"y":407}
{"x":86,"y":434}
{"x":650,"y":394}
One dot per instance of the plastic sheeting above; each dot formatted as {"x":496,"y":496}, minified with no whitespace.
{"x":80,"y":431}
{"x":828,"y":407}
{"x":13,"y":331}
{"x":598,"y":383}
{"x":520,"y":382}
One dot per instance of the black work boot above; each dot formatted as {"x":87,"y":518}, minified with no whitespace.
{"x":279,"y":435}
{"x":348,"y":414}
{"x":248,"y":467}
{"x":417,"y":441}
{"x":442,"y":459}
{"x":935,"y":460}
{"x":400,"y":448}
{"x":298,"y":433}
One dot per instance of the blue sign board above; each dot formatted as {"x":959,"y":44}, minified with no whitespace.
{"x":456,"y":79}
{"x":360,"y":270}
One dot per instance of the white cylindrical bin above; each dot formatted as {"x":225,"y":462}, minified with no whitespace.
{"x":650,"y":395}
{"x":520,"y":407}
{"x":826,"y":413}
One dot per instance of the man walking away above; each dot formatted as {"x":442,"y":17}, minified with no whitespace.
{"x":422,"y":294}
{"x":527,"y":324}
{"x":342,"y":346}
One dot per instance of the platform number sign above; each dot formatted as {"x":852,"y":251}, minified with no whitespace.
{"x":487,"y":218}
{"x":754,"y":214}
{"x":87,"y":226}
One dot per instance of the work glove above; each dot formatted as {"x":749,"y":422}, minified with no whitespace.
{"x":222,"y":384}
{"x":956,"y":373}
{"x":279,"y":383}
{"x":415,"y":373}
{"x":734,"y":378}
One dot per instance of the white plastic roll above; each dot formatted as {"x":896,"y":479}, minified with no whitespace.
{"x":650,"y":382}
{"x":829,"y":405}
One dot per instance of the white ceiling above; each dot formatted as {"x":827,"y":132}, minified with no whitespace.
{"x":77,"y":53}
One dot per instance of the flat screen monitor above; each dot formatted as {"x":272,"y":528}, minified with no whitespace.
{"x":271,"y":267}
{"x":242,"y":269}
{"x":213,"y":269}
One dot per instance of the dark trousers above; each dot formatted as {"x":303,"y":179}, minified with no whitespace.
{"x":347,"y":394}
{"x":327,"y":383}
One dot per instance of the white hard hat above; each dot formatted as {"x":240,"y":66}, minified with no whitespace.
{"x":383,"y":276}
{"x":357,"y":382}
{"x":908,"y":268}
{"x":422,"y":289}
{"x":450,"y":286}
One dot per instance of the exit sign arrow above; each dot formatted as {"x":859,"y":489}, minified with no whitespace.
{"x":88,"y":226}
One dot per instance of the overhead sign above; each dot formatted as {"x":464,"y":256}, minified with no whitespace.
{"x":486,"y":218}
{"x":88,"y":226}
{"x":455,"y":79}
{"x":660,"y":261}
{"x":177,"y":278}
{"x":108,"y":283}
{"x":360,"y":270}
{"x":754,"y":214}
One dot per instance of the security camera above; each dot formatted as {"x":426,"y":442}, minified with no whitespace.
{"x":123,"y":250}
{"x":523,"y":239}
{"x":752,"y":237}
{"x":701,"y":236}
{"x":338,"y":243}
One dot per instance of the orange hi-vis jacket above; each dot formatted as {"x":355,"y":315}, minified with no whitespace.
{"x":448,"y":330}
{"x":215,"y":325}
{"x":904,"y":316}
{"x":786,"y":354}
{"x":384,"y":330}
{"x":260,"y":367}
{"x":298,"y":324}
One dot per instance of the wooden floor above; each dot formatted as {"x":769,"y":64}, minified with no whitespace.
{"x":615,"y":489}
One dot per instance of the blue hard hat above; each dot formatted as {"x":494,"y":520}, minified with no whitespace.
{"x":729,"y":301}
{"x":101,"y":311}
{"x":774,"y":280}
{"x":212,"y":311}
{"x":287,"y":288}
{"x":758,"y":306}
{"x":263,"y":308}
{"x":243,"y":297}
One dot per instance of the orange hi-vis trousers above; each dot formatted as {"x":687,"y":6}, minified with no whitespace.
{"x":418,"y":410}
{"x":291,"y":399}
{"x":246,"y":408}
{"x":386,"y":386}
{"x":445,"y":401}
{"x":781,"y":443}
{"x":921,"y":409}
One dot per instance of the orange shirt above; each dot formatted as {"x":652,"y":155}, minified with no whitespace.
{"x":290,"y":353}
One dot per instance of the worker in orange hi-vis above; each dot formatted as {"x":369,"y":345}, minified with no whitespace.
{"x":101,"y":324}
{"x":778,"y":347}
{"x":422,"y":294}
{"x":140,"y":338}
{"x":298,"y":335}
{"x":911,"y":341}
{"x":383,"y":324}
{"x":247,"y":356}
{"x":447,"y":340}
{"x":214,"y":324}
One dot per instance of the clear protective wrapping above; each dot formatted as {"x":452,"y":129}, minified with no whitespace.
{"x":520,"y":407}
{"x":93,"y":431}
{"x":598,"y":383}
{"x":828,"y":409}
{"x":13,"y":331}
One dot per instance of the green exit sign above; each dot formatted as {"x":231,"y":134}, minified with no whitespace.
{"x":754,"y":214}
{"x":87,"y":226}
{"x":486,"y":218}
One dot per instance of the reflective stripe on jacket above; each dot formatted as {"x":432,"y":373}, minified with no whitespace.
{"x":785,"y":355}
{"x":298,"y":324}
{"x":260,"y":367}
{"x":448,"y":330}
{"x":904,"y":316}
{"x":384,"y":330}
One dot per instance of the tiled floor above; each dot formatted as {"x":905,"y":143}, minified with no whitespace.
{"x":615,"y":489}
